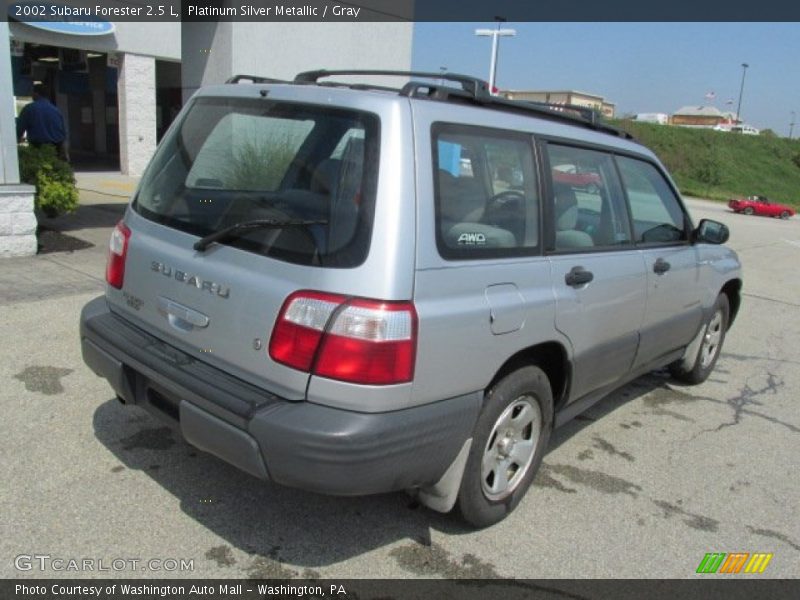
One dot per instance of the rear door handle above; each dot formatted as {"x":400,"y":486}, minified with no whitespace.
{"x":578,"y":276}
{"x":180,"y":316}
{"x":661,"y":266}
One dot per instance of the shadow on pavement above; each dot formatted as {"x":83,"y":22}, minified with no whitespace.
{"x":279,"y":524}
{"x":50,"y":241}
{"x":638,"y":387}
{"x":86,"y":216}
{"x":284,"y":525}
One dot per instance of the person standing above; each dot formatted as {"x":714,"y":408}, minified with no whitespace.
{"x":43,"y":122}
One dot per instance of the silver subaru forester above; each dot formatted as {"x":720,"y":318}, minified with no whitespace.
{"x":352,"y":289}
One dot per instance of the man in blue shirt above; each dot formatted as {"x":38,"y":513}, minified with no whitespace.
{"x":43,"y":122}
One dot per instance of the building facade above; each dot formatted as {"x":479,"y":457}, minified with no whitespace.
{"x":598,"y":103}
{"x":705,"y":117}
{"x":120,"y":84}
{"x":116,"y":89}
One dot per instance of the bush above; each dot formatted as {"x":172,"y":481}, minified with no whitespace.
{"x":54,"y":179}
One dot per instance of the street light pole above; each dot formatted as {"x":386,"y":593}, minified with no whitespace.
{"x":495,"y":34}
{"x":741,"y":91}
{"x":791,"y":126}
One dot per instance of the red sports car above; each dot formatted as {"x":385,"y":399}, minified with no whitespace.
{"x":760,"y":205}
{"x":570,"y":175}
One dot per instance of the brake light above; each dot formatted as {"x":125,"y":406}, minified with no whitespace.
{"x":354,"y":340}
{"x":117,"y":252}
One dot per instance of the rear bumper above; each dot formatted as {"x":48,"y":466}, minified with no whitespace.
{"x":299,"y":444}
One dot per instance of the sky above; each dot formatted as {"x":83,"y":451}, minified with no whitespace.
{"x":641,"y":67}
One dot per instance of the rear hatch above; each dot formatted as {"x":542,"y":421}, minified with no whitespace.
{"x":302,"y":179}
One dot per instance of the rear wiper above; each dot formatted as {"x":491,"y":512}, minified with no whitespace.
{"x":238,"y":228}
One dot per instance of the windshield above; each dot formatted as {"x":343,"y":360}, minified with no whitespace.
{"x":232,"y":160}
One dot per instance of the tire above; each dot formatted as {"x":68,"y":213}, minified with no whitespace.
{"x":785,"y":214}
{"x":710,"y":348}
{"x":509,"y":440}
{"x":748,"y":210}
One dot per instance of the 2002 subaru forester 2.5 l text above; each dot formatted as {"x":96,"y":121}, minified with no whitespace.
{"x":352,"y":290}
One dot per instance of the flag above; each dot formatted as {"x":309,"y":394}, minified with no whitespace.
{"x":710,"y":96}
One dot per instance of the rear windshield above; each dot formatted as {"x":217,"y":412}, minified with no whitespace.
{"x":234,"y":160}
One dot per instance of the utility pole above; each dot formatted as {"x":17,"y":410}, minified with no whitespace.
{"x":741,"y":91}
{"x":495,"y":34}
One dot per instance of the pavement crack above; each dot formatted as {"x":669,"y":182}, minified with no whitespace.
{"x":747,"y":398}
{"x":63,"y":265}
{"x":775,"y":300}
{"x":750,"y":357}
{"x":742,"y":404}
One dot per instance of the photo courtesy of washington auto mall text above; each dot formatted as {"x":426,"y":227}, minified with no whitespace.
{"x":170,"y":589}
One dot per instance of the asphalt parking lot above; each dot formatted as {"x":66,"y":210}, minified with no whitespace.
{"x":643,"y":485}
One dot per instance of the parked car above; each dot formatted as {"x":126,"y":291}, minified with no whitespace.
{"x":327,"y":285}
{"x":760,"y":205}
{"x":743,"y":129}
{"x":570,"y":175}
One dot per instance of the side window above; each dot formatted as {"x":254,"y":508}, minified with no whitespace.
{"x":588,"y":203}
{"x":485,"y":192}
{"x":356,"y":133}
{"x":656,"y":211}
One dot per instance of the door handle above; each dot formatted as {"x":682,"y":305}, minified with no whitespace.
{"x":578,"y":276}
{"x":180,"y":316}
{"x":661,"y":266}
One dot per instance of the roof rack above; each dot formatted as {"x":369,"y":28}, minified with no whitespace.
{"x":254,"y":79}
{"x":472,"y":90}
{"x":474,"y":86}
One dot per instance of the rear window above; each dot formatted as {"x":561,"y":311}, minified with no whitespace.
{"x":233,"y":160}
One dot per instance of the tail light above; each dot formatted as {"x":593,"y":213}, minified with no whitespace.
{"x":117,"y":252}
{"x":355,"y":340}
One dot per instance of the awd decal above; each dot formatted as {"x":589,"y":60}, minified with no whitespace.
{"x":472,"y":239}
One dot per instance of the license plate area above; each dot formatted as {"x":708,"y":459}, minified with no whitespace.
{"x":158,"y":400}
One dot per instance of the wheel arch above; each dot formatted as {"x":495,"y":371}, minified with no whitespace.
{"x":551,"y":357}
{"x":733,"y":290}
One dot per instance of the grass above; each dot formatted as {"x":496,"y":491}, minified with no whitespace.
{"x":720,"y":165}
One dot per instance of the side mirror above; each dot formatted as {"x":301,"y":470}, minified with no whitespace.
{"x":711,"y":232}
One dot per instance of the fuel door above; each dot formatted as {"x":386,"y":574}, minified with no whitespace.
{"x":506,"y":308}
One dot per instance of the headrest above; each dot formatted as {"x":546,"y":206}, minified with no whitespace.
{"x":566,"y":207}
{"x":323,"y":180}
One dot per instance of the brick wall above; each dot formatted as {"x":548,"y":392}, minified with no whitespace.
{"x":17,"y":221}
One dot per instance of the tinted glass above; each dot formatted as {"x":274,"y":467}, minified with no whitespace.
{"x":486,"y":193}
{"x":235,"y":160}
{"x":656,"y":211}
{"x":588,"y":203}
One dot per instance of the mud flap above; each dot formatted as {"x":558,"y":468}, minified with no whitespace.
{"x":442,"y":495}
